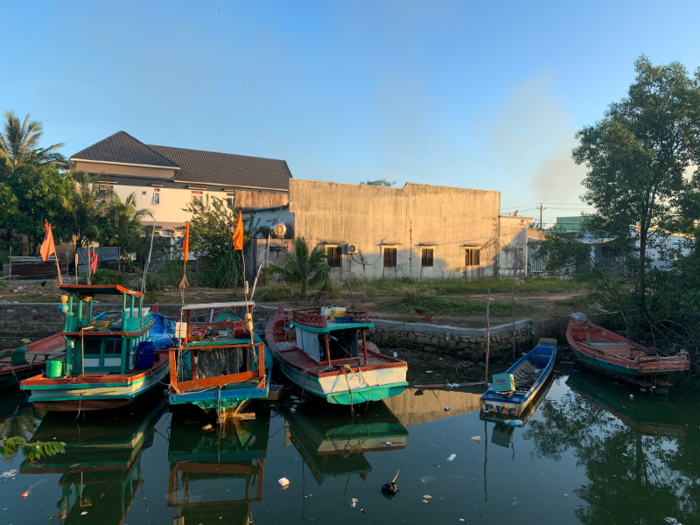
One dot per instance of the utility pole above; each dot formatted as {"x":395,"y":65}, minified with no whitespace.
{"x":541,"y":210}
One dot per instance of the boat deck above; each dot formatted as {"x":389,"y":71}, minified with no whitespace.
{"x":289,"y":353}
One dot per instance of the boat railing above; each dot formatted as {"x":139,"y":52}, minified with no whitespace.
{"x":313,"y":317}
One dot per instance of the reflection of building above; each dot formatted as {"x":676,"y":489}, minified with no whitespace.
{"x":418,"y":230}
{"x":101,"y":468}
{"x":415,"y":406}
{"x":332,"y":443}
{"x":216,"y":473}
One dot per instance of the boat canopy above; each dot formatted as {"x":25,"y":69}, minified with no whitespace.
{"x":208,"y":306}
{"x":83,"y":290}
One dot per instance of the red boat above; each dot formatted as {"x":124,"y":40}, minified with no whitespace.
{"x":21,"y":363}
{"x":613,"y":355}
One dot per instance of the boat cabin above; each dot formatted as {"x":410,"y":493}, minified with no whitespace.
{"x":216,"y":351}
{"x":331,"y":341}
{"x":105,"y":342}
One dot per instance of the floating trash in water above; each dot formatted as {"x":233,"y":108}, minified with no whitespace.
{"x":391,"y":488}
{"x":353,"y":502}
{"x":476,"y":439}
{"x":447,"y":409}
{"x":207,"y":427}
{"x":631,"y":396}
{"x":515,"y":502}
{"x":428,"y":371}
{"x":452,"y":457}
{"x":8,"y":474}
{"x":425,"y":501}
{"x":284,"y":482}
{"x":672,"y":521}
{"x":83,"y":513}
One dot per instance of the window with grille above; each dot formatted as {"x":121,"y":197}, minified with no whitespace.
{"x":389,"y":257}
{"x":156,"y":196}
{"x":472,"y":257}
{"x":197,"y":196}
{"x":427,"y":258}
{"x":334,"y":256}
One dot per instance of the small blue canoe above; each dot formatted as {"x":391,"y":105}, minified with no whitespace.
{"x":529,"y":373}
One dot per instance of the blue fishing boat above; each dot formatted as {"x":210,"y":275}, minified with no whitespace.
{"x":221,"y":363}
{"x":529,"y":374}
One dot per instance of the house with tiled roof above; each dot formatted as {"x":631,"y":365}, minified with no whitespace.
{"x":166,"y":179}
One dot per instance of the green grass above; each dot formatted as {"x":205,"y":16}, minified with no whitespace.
{"x":375,"y":287}
{"x":441,"y":306}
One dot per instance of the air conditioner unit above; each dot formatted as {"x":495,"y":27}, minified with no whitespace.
{"x":351,"y":249}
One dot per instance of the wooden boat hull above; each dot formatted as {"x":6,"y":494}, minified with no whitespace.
{"x":515,"y":405}
{"x":36,"y":352}
{"x":612,"y":355}
{"x":95,"y":391}
{"x":365,"y":385}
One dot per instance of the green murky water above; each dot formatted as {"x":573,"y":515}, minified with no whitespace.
{"x":588,"y":454}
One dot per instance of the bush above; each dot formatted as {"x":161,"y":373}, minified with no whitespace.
{"x":104,"y":276}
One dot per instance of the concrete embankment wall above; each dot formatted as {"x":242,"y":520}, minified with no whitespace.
{"x":35,"y":321}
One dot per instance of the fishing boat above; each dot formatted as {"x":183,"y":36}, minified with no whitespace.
{"x":99,"y":474}
{"x":109,"y":360}
{"x":26,"y":361}
{"x":529,"y":373}
{"x":329,"y":358}
{"x":221,"y":364}
{"x":217,"y":472}
{"x":612,"y":355}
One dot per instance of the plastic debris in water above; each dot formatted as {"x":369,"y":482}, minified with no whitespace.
{"x":391,"y":488}
{"x":631,"y":396}
{"x":447,"y":409}
{"x":83,"y":513}
{"x":425,"y":501}
{"x":8,"y":474}
{"x":207,"y":427}
{"x":477,"y":439}
{"x":353,"y":502}
{"x":25,"y":494}
{"x":427,"y":496}
{"x":284,"y":482}
{"x":428,"y":371}
{"x":672,"y":521}
{"x":452,"y":457}
{"x":513,"y":423}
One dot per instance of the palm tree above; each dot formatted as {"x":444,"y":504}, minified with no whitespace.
{"x":305,"y":268}
{"x":125,"y":225}
{"x":87,"y":206}
{"x":19,"y":144}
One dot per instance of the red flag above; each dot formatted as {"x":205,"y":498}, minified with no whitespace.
{"x":47,"y":246}
{"x":238,"y":233}
{"x":93,"y":261}
{"x":186,"y":242}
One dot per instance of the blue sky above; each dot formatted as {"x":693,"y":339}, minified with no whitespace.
{"x":473,"y":94}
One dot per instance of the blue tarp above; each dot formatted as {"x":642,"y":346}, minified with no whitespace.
{"x":163,"y":332}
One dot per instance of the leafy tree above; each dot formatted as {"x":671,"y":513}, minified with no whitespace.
{"x":211,"y":228}
{"x":8,"y":205}
{"x":19,"y":145}
{"x":380,"y":182}
{"x":124,"y":226}
{"x":86,"y":206}
{"x":39,"y":192}
{"x":636,"y":159}
{"x":305,"y":268}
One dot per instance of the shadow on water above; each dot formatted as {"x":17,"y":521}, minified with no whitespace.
{"x":640,"y":455}
{"x":216,"y":473}
{"x":101,"y":467}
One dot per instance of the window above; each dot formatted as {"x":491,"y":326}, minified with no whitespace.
{"x":197,"y":197}
{"x":334,"y":256}
{"x":156,"y":196}
{"x":427,"y":259}
{"x":389,"y":257}
{"x":229,"y":202}
{"x":472,"y":257}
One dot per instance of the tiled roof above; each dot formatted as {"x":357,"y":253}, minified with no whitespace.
{"x":195,"y":165}
{"x":227,"y":169}
{"x":123,"y":148}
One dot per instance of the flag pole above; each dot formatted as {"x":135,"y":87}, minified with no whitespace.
{"x":58,"y":267}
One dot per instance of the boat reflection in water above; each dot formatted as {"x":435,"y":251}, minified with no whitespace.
{"x":101,"y":467}
{"x":647,"y":414}
{"x":332,"y":443}
{"x":215,"y":474}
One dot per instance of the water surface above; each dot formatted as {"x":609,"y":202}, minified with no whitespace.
{"x":588,"y":454}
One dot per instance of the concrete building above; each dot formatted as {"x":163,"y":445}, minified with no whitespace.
{"x":419,"y":230}
{"x":166,"y":179}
